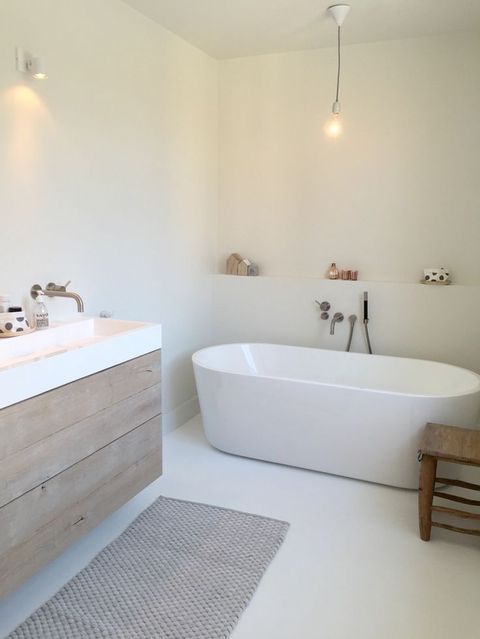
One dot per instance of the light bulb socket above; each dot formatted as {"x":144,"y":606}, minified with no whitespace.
{"x":339,"y":12}
{"x":336,"y":107}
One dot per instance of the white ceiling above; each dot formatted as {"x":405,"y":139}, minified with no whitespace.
{"x":233,"y":28}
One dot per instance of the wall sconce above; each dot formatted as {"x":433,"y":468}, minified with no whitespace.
{"x":31,"y":64}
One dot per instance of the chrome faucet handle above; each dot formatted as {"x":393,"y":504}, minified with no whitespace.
{"x":35,"y":291}
{"x":51,"y":286}
{"x":324,"y":306}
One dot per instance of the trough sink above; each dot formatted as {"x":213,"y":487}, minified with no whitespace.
{"x":40,"y":361}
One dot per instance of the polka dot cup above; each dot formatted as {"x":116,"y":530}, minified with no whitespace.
{"x":13,"y":324}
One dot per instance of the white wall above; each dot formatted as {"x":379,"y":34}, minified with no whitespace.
{"x":109,"y":171}
{"x":409,"y":320}
{"x":108,"y":177}
{"x":397,"y":193}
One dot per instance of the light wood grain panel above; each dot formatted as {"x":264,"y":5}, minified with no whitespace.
{"x":110,"y":488}
{"x":25,"y":423}
{"x":23,"y":517}
{"x":28,"y":468}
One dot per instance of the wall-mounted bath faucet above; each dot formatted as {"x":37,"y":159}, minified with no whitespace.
{"x":338,"y":317}
{"x":57,"y":290}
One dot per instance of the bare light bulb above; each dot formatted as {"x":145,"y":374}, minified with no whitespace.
{"x":334,"y":125}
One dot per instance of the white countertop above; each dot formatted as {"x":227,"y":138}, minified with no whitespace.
{"x":40,"y":361}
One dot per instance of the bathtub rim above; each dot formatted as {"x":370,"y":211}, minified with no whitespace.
{"x":330,"y":385}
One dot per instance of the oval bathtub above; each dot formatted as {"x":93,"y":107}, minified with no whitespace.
{"x":348,"y":414}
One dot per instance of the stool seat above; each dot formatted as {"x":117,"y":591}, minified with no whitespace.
{"x":460,"y":445}
{"x":450,"y":444}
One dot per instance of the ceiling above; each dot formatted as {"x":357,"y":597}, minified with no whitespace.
{"x":234,"y":28}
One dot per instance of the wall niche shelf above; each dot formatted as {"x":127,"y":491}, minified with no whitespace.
{"x":428,"y":283}
{"x":456,"y":284}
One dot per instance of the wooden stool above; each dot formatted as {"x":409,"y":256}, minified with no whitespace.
{"x":450,"y":444}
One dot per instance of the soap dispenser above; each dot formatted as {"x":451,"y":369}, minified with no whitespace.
{"x":40,"y":313}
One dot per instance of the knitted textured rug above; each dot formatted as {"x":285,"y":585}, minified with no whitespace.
{"x":181,"y":570}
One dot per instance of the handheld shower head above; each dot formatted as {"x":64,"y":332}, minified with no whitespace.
{"x":365,"y":307}
{"x":365,"y":321}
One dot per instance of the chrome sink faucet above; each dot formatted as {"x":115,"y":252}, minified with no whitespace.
{"x":338,"y":317}
{"x":57,"y":290}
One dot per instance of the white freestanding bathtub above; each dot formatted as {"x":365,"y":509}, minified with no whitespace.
{"x":348,"y":414}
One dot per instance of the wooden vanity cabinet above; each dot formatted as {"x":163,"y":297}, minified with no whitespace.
{"x":72,"y":456}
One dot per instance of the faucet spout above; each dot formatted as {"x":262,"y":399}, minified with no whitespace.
{"x":338,"y":317}
{"x":53,"y":290}
{"x":73,"y":296}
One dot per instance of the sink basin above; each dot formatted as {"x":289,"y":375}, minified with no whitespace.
{"x":43,"y":360}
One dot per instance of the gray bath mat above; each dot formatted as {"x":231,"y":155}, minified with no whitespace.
{"x":181,"y":570}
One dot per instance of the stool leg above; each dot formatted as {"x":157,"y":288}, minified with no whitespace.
{"x":428,"y":470}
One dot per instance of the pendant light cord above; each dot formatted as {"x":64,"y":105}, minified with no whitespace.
{"x":339,"y":61}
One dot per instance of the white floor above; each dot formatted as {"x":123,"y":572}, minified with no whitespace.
{"x":352,"y":564}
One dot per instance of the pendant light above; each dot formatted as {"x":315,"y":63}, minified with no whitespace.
{"x":334,"y":126}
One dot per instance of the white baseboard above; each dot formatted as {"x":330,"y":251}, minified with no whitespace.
{"x":181,"y":414}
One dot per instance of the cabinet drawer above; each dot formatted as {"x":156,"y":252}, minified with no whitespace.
{"x":39,"y":525}
{"x":32,"y":466}
{"x":31,"y":421}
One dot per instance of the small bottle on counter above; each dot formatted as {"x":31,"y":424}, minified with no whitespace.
{"x":5,"y":302}
{"x":333,"y":273}
{"x":40,"y":313}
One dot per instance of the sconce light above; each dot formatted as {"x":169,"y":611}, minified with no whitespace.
{"x":30,"y":64}
{"x":334,"y":127}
